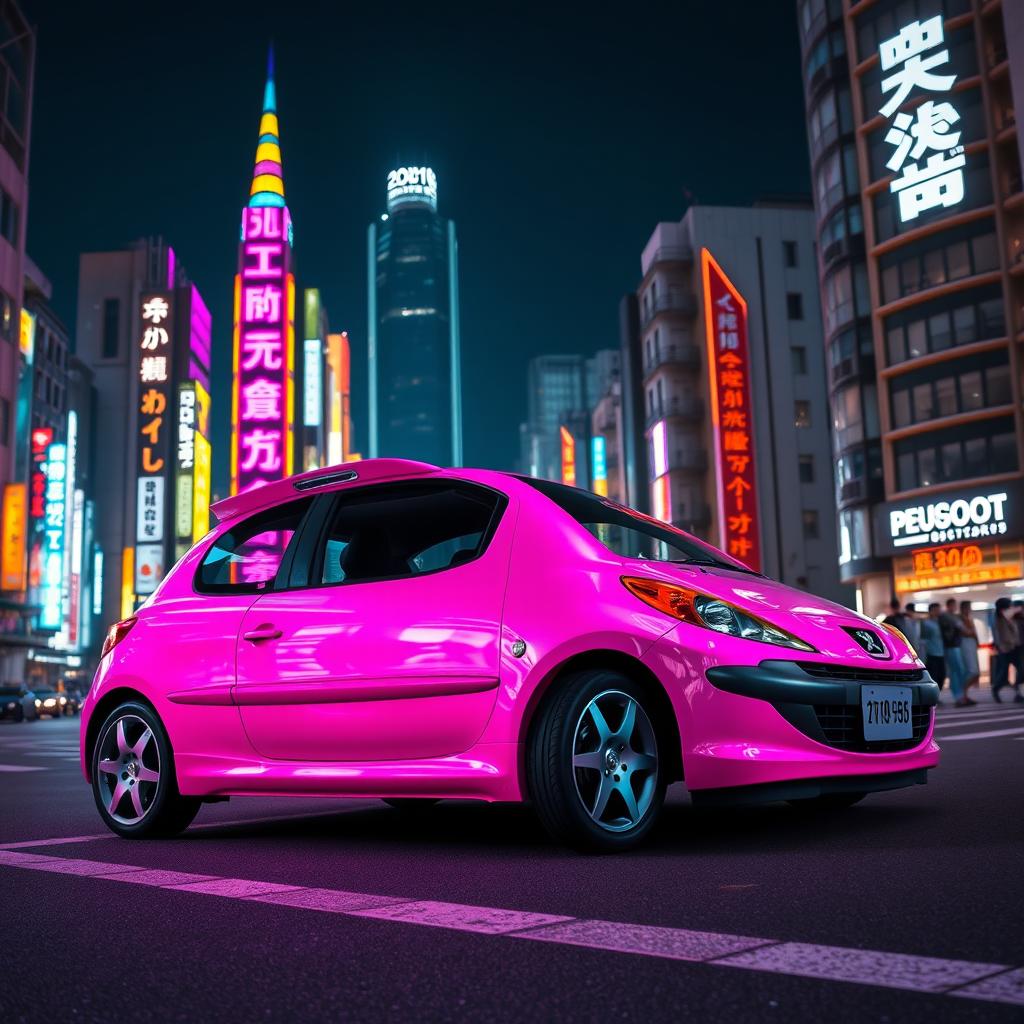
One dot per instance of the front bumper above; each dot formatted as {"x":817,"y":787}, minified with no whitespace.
{"x":791,"y":722}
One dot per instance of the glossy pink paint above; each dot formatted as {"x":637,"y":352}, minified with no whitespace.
{"x":412,"y":687}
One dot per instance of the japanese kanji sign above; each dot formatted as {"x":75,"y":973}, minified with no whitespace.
{"x":192,"y":463}
{"x":927,"y":154}
{"x":263,"y":387}
{"x":155,"y":423}
{"x":725,"y":313}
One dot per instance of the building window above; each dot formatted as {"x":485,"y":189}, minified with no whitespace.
{"x":111,"y":327}
{"x":806,"y":469}
{"x":945,"y":323}
{"x":798,"y":355}
{"x":8,"y":218}
{"x":794,"y":306}
{"x":789,"y":253}
{"x":809,"y":517}
{"x":801,"y":413}
{"x":956,"y":453}
{"x":950,"y":388}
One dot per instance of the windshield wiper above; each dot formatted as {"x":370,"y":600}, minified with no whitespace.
{"x":714,"y":563}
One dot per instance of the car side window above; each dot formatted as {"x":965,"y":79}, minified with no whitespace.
{"x":245,"y":558}
{"x":402,"y":530}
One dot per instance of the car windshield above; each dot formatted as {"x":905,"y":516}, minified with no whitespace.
{"x":628,"y":533}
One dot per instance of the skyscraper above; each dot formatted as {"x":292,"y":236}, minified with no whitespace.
{"x":920,"y":228}
{"x":263,"y":378}
{"x":412,"y":257}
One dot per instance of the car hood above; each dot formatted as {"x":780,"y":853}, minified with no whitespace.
{"x":829,"y":628}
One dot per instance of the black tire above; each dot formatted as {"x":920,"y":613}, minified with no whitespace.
{"x":165,"y":811}
{"x":827,"y":802}
{"x":19,"y":714}
{"x":411,"y":804}
{"x":554,"y":782}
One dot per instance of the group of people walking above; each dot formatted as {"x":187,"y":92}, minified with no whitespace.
{"x":947,"y":642}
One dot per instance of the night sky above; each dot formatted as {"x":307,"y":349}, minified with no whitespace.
{"x":559,"y":137}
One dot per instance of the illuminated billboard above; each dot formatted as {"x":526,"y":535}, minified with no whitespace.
{"x":599,"y":465}
{"x":568,"y":443}
{"x":927,"y":156}
{"x":15,"y":526}
{"x":725,"y":313}
{"x":412,"y":185}
{"x":192,"y":476}
{"x":155,"y":423}
{"x":51,"y":583}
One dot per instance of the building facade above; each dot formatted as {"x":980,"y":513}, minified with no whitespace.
{"x":143,"y":331}
{"x":727,"y":345}
{"x":915,"y":150}
{"x":413,"y":346}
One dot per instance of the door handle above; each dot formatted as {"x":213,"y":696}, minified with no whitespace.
{"x":264,"y":632}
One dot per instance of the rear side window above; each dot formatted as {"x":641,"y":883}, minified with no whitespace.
{"x":245,"y":559}
{"x":403,"y":530}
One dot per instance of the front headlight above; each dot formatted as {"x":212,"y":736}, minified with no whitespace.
{"x":710,"y":613}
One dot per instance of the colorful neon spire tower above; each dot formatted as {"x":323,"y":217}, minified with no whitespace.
{"x":263,"y":383}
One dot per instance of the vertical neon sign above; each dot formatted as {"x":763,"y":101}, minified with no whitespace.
{"x":568,"y":443}
{"x":51,"y":589}
{"x":725,"y":313}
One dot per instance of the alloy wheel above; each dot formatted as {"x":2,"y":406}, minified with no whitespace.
{"x":128,"y":769}
{"x":615,"y":761}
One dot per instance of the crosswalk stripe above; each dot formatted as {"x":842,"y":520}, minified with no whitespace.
{"x":963,"y":978}
{"x":981,"y":735}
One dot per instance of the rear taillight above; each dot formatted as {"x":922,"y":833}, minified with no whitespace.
{"x":117,"y":632}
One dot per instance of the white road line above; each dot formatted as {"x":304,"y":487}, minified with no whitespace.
{"x":28,"y":843}
{"x":23,"y":768}
{"x":982,"y":735}
{"x":959,"y":723}
{"x":963,"y":978}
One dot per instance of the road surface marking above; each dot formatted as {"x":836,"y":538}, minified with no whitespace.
{"x":22,"y":768}
{"x":978,"y":720}
{"x":867,"y":967}
{"x":26,"y":843}
{"x":965,"y":979}
{"x":982,"y":735}
{"x":649,"y":940}
{"x":1007,"y":987}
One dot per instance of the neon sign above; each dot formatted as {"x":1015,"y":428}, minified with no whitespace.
{"x":263,"y":387}
{"x":412,"y":184}
{"x":983,"y":515}
{"x":725,"y":313}
{"x":599,"y":464}
{"x":927,"y":131}
{"x":51,"y":586}
{"x":568,"y":456}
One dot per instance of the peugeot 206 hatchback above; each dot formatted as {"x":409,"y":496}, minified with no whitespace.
{"x":390,"y":629}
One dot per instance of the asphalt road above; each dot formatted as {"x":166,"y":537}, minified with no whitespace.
{"x":920,"y":889}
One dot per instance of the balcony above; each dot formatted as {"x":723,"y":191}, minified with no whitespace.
{"x":685,"y":407}
{"x":672,"y":254}
{"x":680,"y":303}
{"x":685,"y":355}
{"x":693,"y":460}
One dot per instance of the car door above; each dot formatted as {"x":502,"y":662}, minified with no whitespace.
{"x":384,"y":645}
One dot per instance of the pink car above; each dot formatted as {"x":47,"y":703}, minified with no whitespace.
{"x":389,"y":629}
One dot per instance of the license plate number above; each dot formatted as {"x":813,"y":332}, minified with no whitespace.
{"x":886,"y":712}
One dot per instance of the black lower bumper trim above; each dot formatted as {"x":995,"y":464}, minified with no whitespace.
{"x":803,"y":789}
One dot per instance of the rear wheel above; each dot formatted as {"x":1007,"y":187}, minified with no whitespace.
{"x":827,"y":801}
{"x":133,"y":779}
{"x":593,"y":762}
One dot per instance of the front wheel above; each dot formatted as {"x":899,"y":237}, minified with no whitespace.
{"x":593,"y":763}
{"x":133,"y":779}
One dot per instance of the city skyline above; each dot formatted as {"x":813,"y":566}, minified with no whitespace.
{"x":559,"y":196}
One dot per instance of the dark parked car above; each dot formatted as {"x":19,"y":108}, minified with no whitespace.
{"x":17,"y":702}
{"x":54,"y":704}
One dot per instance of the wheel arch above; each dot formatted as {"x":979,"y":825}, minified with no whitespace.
{"x":106,"y":704}
{"x":632,"y":668}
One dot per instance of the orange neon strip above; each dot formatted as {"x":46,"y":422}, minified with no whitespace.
{"x":236,"y":345}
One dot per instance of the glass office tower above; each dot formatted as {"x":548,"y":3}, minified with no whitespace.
{"x":415,"y":400}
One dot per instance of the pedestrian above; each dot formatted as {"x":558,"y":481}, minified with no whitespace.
{"x":1006,"y":641}
{"x":952,"y":639}
{"x":895,"y":617}
{"x":913,"y":627}
{"x":931,"y":640}
{"x":1017,"y":618}
{"x":969,"y":650}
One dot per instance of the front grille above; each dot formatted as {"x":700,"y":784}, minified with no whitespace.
{"x":861,"y":674}
{"x":843,"y":726}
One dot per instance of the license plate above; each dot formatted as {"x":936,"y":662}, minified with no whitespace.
{"x":886,"y":712}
